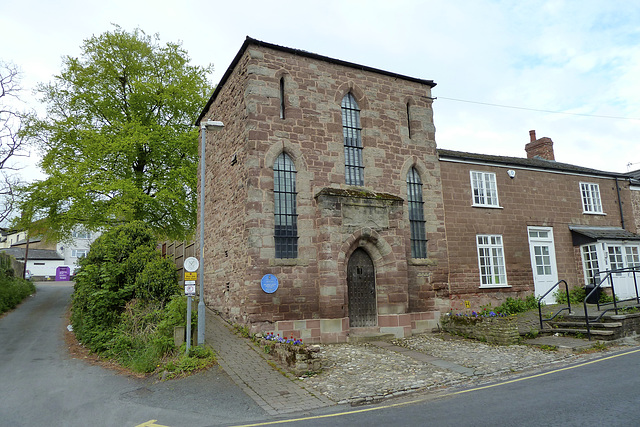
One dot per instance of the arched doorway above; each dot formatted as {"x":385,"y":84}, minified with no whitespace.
{"x":361,"y":284}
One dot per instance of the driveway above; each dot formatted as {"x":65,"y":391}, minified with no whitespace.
{"x":41,"y":384}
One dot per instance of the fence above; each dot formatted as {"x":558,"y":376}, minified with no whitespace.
{"x":177,"y":252}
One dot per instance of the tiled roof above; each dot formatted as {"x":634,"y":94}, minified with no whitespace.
{"x":40,"y":254}
{"x":535,"y":163}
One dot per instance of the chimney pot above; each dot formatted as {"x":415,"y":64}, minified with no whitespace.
{"x":541,"y":148}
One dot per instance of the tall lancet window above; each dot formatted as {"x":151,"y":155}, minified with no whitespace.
{"x":351,"y":131}
{"x":286,"y":220}
{"x":416,"y":215}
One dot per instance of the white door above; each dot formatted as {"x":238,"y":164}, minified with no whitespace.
{"x":621,"y":256}
{"x":543,"y":261}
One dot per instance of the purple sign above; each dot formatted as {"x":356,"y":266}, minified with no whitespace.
{"x":63,"y":274}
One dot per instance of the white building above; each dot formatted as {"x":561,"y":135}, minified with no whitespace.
{"x":43,"y":258}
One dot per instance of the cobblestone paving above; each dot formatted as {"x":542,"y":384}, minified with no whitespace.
{"x":356,"y":373}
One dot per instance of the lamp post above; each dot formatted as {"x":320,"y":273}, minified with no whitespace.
{"x":204,"y":126}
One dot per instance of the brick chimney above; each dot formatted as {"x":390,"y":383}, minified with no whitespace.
{"x":539,"y":148}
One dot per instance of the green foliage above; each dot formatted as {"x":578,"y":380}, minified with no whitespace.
{"x":6,"y":269}
{"x":242,"y":330}
{"x":200,"y":357}
{"x":118,"y":142}
{"x":12,"y":291}
{"x":517,"y":305}
{"x":144,"y":336}
{"x":577,"y":296}
{"x":116,"y":270}
{"x":158,"y":281}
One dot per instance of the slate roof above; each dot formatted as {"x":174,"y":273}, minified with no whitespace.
{"x":535,"y":163}
{"x":39,"y":254}
{"x":634,"y":176}
{"x":588,"y":233}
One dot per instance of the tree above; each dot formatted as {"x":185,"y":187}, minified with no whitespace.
{"x":118,"y":140}
{"x":11,"y":144}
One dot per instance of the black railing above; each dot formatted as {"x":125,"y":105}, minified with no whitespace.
{"x":568,"y":307}
{"x":597,"y":289}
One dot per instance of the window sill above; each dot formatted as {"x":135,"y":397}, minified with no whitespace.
{"x":422,"y":261}
{"x":274,"y":262}
{"x":487,"y":206}
{"x":494,"y":286}
{"x":594,"y":213}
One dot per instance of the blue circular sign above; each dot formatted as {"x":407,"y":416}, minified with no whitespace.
{"x":269,"y":283}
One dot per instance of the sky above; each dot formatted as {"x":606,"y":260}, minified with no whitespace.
{"x":567,"y":69}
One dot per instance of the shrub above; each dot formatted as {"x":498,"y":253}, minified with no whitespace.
{"x":122,"y":264}
{"x":517,"y":305}
{"x":577,"y":296}
{"x":12,"y":291}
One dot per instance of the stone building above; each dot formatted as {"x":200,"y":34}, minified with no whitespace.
{"x":519,"y":225}
{"x":329,"y":212}
{"x":326,"y":178}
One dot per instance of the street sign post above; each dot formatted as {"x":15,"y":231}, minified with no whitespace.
{"x":191,"y":265}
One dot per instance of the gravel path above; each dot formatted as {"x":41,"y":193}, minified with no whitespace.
{"x":356,"y":373}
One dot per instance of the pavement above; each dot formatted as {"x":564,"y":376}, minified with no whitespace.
{"x":267,"y":386}
{"x":368,"y":372}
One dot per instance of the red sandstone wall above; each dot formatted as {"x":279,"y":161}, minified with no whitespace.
{"x":532,"y":198}
{"x":240,"y":199}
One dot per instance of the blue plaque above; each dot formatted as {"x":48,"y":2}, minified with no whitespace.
{"x":269,"y":283}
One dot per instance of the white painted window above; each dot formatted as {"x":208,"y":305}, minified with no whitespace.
{"x":590,"y":263}
{"x":616,"y":262}
{"x":632,"y":255}
{"x":485,"y":189}
{"x":590,"y":194}
{"x":79,"y":253}
{"x":81,"y":235}
{"x":491,"y":261}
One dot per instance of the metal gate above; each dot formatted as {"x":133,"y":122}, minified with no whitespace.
{"x":361,"y":283}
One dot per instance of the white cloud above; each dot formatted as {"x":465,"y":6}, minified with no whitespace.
{"x":572,"y":56}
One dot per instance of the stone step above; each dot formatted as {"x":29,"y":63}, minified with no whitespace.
{"x":604,"y":325}
{"x":599,"y":332}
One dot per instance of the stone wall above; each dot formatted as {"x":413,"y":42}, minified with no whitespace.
{"x":240,"y":247}
{"x":494,"y":330}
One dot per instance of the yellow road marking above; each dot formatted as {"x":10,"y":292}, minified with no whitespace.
{"x":150,"y":423}
{"x":395,"y":405}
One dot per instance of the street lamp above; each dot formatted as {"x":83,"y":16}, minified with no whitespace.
{"x":204,"y":127}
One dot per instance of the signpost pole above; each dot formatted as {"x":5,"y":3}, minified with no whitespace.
{"x":190,"y":275}
{"x":188,"y":324}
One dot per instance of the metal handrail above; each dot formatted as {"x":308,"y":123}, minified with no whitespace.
{"x":608,"y":276}
{"x":566,"y":286}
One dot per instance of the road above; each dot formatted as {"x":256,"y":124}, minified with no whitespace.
{"x":41,"y":385}
{"x":601,"y":392}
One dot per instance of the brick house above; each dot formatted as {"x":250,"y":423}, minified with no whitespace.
{"x":329,"y":211}
{"x":514,"y":221}
{"x":307,"y":184}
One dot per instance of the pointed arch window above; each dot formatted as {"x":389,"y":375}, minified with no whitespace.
{"x":286,"y":220}
{"x":416,"y":215}
{"x":351,"y":131}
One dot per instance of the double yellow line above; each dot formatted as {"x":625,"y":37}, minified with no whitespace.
{"x":395,"y":405}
